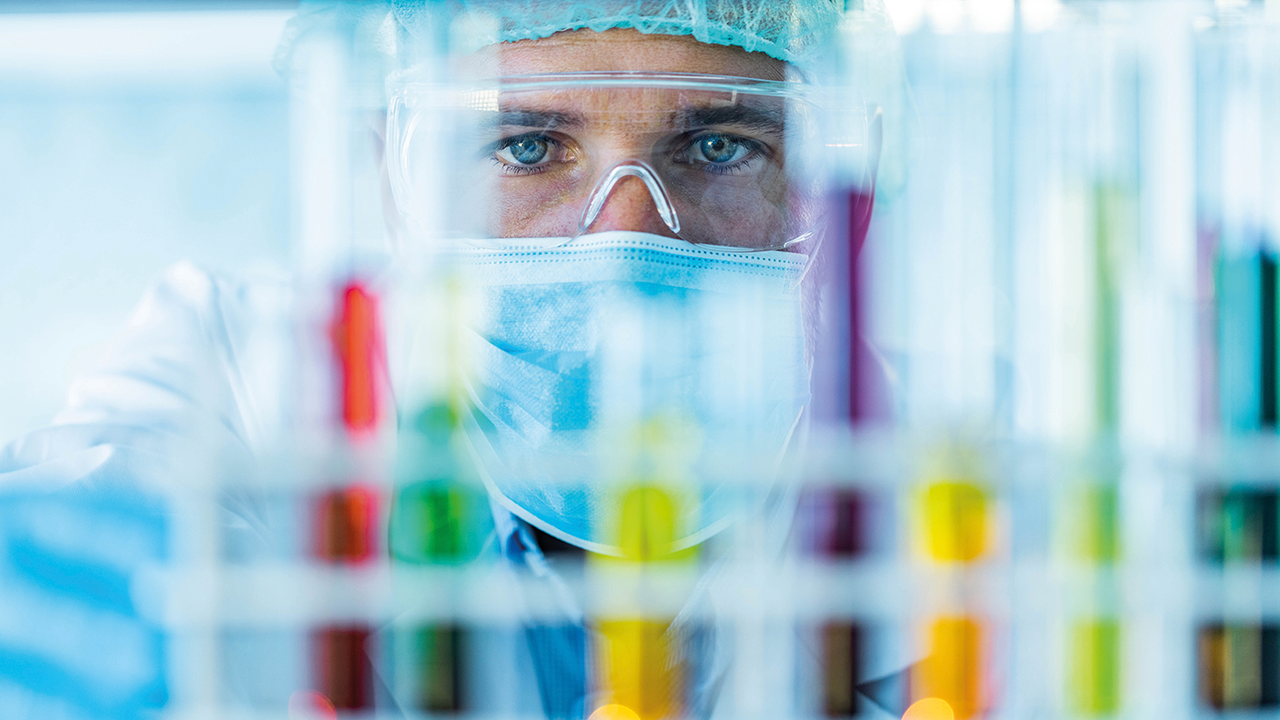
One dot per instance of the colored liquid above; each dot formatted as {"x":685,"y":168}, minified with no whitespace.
{"x":955,"y":521}
{"x":647,"y":526}
{"x":1115,"y":230}
{"x":1094,"y":684}
{"x":1267,"y":371}
{"x":848,"y":383}
{"x":836,"y":522}
{"x":638,"y":670}
{"x":841,"y":655}
{"x":345,"y":525}
{"x":1098,"y":532}
{"x":1239,"y":525}
{"x":1246,"y":324}
{"x":954,"y":670}
{"x":862,"y":398}
{"x":1240,"y":666}
{"x":440,"y":650}
{"x":344,"y":674}
{"x":357,"y":342}
{"x":438,"y":522}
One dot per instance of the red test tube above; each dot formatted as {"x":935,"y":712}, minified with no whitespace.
{"x":344,"y":671}
{"x":357,"y":341}
{"x":345,"y":527}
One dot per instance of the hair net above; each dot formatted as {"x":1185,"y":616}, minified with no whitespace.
{"x":391,"y":34}
{"x":788,"y":30}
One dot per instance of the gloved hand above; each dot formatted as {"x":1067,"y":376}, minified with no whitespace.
{"x":76,"y":526}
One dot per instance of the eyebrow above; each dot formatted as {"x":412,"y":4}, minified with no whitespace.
{"x":535,"y":119}
{"x":686,"y":119}
{"x":756,"y":119}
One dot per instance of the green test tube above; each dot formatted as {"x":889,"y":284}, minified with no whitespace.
{"x":1094,"y":662}
{"x":440,"y":514}
{"x":1098,"y":526}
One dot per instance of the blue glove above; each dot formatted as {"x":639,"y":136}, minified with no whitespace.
{"x":75,"y":528}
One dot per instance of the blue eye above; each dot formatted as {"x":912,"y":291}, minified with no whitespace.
{"x":719,"y":149}
{"x":524,"y":150}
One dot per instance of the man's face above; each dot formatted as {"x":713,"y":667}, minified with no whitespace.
{"x":720,"y":155}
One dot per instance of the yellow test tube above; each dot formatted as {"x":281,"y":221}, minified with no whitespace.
{"x":648,"y":524}
{"x":638,"y":669}
{"x":636,"y":657}
{"x":954,"y":517}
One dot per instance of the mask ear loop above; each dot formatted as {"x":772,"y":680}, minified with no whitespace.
{"x":630,"y":168}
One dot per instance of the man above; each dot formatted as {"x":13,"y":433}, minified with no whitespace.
{"x":651,"y":178}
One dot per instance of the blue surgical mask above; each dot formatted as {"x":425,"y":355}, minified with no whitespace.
{"x":575,"y":349}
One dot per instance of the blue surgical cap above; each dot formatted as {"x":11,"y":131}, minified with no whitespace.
{"x":784,"y":29}
{"x":789,"y":30}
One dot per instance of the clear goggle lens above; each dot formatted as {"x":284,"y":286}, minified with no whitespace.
{"x":710,"y":160}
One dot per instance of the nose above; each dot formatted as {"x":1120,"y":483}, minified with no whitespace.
{"x":630,"y":197}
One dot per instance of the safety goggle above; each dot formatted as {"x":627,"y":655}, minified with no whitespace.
{"x":712,"y":160}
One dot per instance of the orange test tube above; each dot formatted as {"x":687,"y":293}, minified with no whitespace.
{"x":954,"y":670}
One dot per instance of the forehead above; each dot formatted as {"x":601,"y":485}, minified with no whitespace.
{"x":621,"y":50}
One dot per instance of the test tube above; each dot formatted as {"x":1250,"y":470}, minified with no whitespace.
{"x":347,"y":517}
{"x":1236,"y":640}
{"x":638,"y":655}
{"x":842,"y":651}
{"x":342,"y":411}
{"x":317,"y":516}
{"x":954,"y":516}
{"x":1239,"y":666}
{"x":440,"y":515}
{"x":357,"y":345}
{"x":1238,"y":225}
{"x":847,"y":385}
{"x":650,"y":463}
{"x":342,"y":666}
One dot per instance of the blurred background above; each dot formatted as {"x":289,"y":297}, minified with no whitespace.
{"x":132,"y":135}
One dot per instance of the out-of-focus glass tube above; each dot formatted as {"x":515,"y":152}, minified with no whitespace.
{"x":342,"y":413}
{"x":847,"y":387}
{"x":1238,"y":224}
{"x":1237,"y":643}
{"x":357,"y":340}
{"x":953,"y":519}
{"x":440,"y":515}
{"x":648,"y":460}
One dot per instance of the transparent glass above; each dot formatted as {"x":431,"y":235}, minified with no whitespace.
{"x":542,"y":159}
